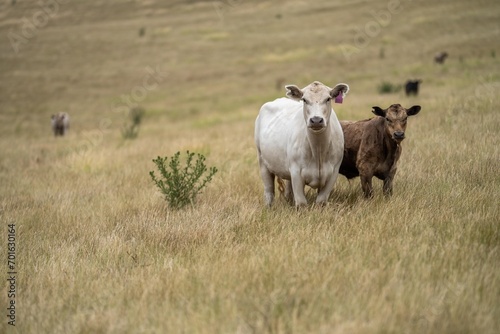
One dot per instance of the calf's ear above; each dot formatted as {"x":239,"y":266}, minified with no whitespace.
{"x":378,"y":111}
{"x":340,"y":88}
{"x":413,"y":110}
{"x":293,"y":92}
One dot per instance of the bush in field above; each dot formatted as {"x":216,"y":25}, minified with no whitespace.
{"x":131,"y":128}
{"x":387,"y":88}
{"x":181,"y":184}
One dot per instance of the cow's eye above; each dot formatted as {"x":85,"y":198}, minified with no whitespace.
{"x":305,"y":101}
{"x":388,"y":120}
{"x":328,"y":99}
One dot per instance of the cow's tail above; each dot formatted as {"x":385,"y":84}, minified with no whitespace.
{"x":281,"y":186}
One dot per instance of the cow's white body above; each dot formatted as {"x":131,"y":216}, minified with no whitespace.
{"x":289,"y":149}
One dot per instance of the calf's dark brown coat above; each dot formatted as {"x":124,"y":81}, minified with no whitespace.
{"x":373,"y":146}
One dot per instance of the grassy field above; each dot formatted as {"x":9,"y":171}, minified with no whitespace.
{"x":99,"y":251}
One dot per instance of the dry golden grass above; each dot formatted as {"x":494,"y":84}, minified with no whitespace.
{"x":98,"y":250}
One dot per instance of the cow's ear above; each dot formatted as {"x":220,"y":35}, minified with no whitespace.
{"x":413,"y":110}
{"x":293,"y":92}
{"x":378,"y":111}
{"x":340,"y":88}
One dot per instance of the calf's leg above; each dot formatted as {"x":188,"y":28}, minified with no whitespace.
{"x":366,"y":185}
{"x":388,"y":182}
{"x":388,"y":186}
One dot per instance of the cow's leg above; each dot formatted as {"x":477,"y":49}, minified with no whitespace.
{"x":298,"y":189}
{"x":366,"y":184}
{"x":388,"y":186}
{"x":288,"y":191}
{"x":388,"y":182}
{"x":268,"y":180}
{"x":324,"y":193}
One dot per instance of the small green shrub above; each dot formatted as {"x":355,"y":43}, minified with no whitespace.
{"x":181,"y":184}
{"x":131,"y":128}
{"x":387,"y":88}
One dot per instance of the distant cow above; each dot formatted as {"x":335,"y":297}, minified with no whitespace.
{"x":411,"y":87}
{"x":440,"y":57}
{"x":300,"y":139}
{"x":60,"y":123}
{"x":373,"y":146}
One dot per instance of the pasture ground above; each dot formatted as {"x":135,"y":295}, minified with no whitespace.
{"x":98,"y":250}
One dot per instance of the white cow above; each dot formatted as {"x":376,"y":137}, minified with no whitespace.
{"x":300,"y":139}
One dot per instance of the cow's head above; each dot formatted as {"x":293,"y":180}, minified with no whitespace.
{"x":317,"y":103}
{"x":395,"y":119}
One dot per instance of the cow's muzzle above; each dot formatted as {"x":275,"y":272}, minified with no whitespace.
{"x":316,"y":123}
{"x":398,"y":135}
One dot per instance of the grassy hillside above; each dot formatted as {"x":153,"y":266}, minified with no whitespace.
{"x":99,"y":251}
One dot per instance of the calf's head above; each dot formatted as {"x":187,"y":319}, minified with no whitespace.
{"x":395,"y":119}
{"x":317,"y":102}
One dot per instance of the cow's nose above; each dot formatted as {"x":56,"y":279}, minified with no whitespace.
{"x":316,"y":120}
{"x":399,"y":135}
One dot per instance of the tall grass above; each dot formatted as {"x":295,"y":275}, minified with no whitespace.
{"x":99,"y":250}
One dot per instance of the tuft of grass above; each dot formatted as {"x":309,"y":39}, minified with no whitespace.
{"x":388,"y":88}
{"x":181,"y":184}
{"x":91,"y":260}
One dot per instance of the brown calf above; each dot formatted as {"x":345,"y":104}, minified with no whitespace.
{"x":373,"y":146}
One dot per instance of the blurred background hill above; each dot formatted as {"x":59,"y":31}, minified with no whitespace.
{"x":223,"y":57}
